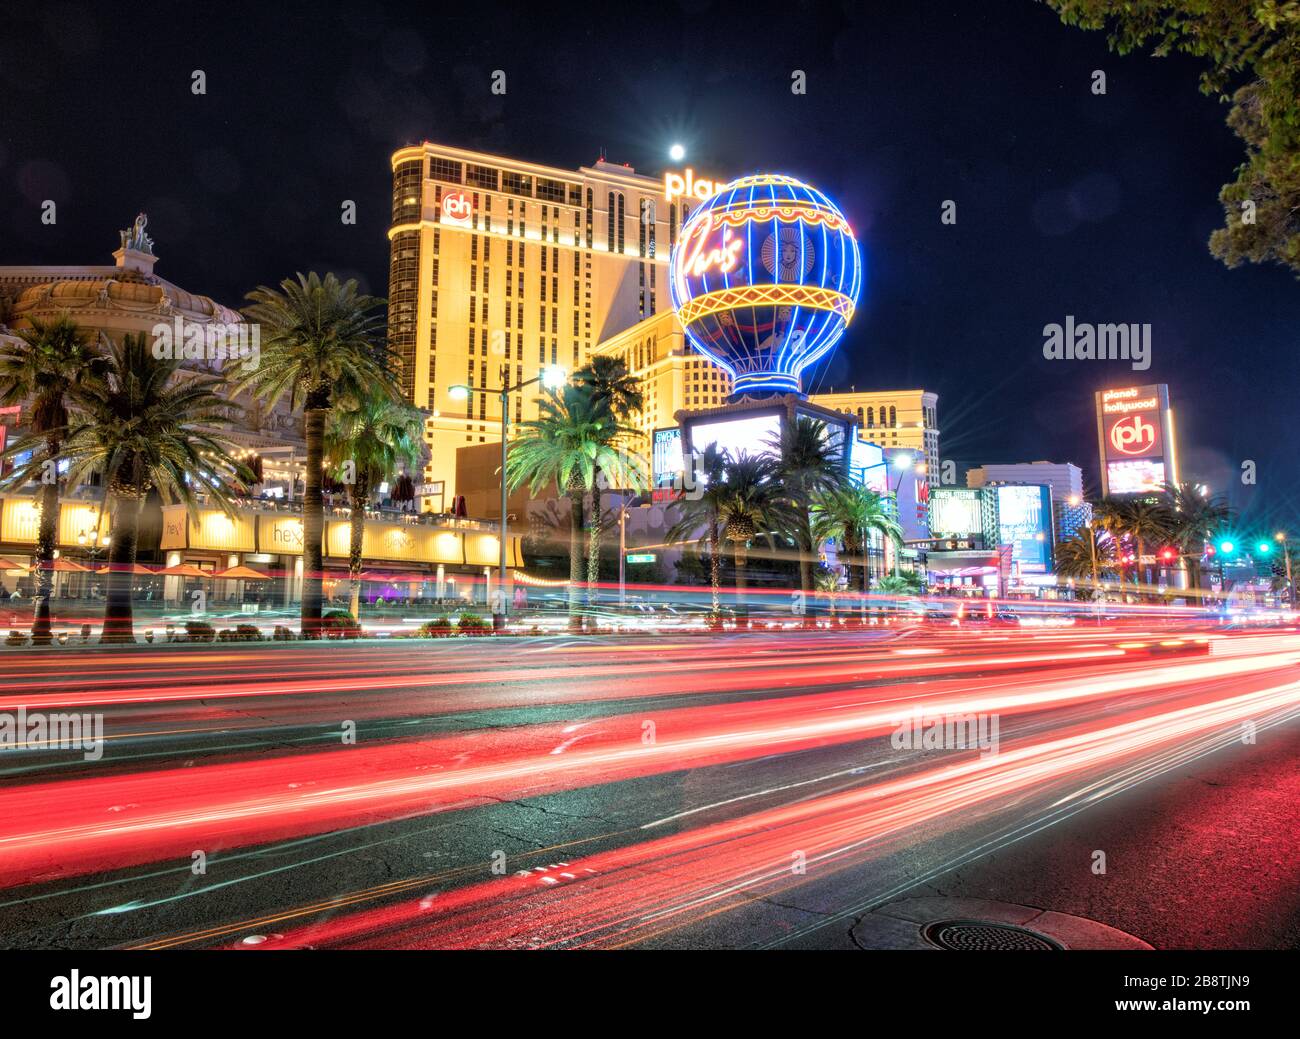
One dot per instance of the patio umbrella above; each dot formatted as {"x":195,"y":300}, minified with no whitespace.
{"x":241,"y":573}
{"x":9,"y":564}
{"x":138,"y":569}
{"x":63,"y":566}
{"x":182,"y":570}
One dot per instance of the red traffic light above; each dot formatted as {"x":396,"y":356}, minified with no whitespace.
{"x":1168,"y":554}
{"x":1209,"y":550}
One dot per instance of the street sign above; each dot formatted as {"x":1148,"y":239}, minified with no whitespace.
{"x":641,"y":557}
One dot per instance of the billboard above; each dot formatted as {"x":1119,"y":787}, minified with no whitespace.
{"x":955,"y":512}
{"x":1135,"y":439}
{"x":666,"y":463}
{"x":867,"y":466}
{"x":1025,"y":525}
{"x":748,"y":433}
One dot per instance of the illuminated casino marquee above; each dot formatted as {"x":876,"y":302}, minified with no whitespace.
{"x":1135,"y":433}
{"x":765,"y":277}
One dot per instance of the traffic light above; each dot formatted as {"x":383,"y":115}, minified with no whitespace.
{"x":1168,"y":555}
{"x":1227,"y":547}
{"x":1263,"y":548}
{"x":1209,"y":550}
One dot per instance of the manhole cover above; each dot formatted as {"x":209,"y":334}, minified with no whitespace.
{"x":984,"y":936}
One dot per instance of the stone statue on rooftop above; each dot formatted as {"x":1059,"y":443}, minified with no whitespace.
{"x":135,"y":238}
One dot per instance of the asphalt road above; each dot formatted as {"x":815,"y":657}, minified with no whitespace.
{"x":737,"y":790}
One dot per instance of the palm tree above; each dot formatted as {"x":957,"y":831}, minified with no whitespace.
{"x":321,"y":340}
{"x":698,"y":512}
{"x":1085,"y":556}
{"x":608,"y":381}
{"x":1195,"y":518}
{"x":1147,"y":522}
{"x":574,"y":436}
{"x":48,"y":362}
{"x":146,"y":426}
{"x":751,"y":503}
{"x":848,"y":514}
{"x":807,"y":465}
{"x":367,"y":438}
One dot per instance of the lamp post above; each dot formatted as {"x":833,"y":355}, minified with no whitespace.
{"x":1280,"y":537}
{"x":903,"y":463}
{"x":552,"y":378}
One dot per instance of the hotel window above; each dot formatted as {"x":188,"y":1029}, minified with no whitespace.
{"x":590,"y":209}
{"x":435,"y":270}
{"x":672,"y":223}
{"x":407,"y":183}
{"x":486,"y":274}
{"x":484,"y":310}
{"x":871,"y":418}
{"x":519,"y":347}
{"x":610,"y":218}
{"x":473,"y":279}
{"x":516,"y":183}
{"x":487,"y":248}
{"x":473,"y":247}
{"x":444,"y":169}
{"x":550,"y":190}
{"x":481,"y":177}
{"x":437,"y":238}
{"x":893,"y":416}
{"x":620,"y":223}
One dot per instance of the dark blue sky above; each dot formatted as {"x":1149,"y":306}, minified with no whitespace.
{"x":1067,"y":203}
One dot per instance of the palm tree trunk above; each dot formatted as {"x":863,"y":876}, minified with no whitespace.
{"x":593,"y":548}
{"x":357,"y":533}
{"x":575,"y":558}
{"x":46,"y":539}
{"x":805,"y":579}
{"x":739,"y":557}
{"x":119,"y":616}
{"x":1139,"y":578}
{"x":715,"y":566}
{"x":313,"y":521}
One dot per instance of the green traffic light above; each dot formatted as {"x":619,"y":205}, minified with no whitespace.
{"x":1264,"y":548}
{"x":1227,"y":547}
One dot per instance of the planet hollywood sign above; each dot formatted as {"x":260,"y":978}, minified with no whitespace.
{"x":687,"y":185}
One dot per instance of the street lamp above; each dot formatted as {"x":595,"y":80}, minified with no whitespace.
{"x":903,"y":463}
{"x":1281,"y":538}
{"x":551,"y":378}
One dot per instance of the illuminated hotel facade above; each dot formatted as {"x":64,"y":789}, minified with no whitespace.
{"x":494,"y":262}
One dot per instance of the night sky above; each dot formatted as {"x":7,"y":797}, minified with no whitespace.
{"x":1067,"y":203}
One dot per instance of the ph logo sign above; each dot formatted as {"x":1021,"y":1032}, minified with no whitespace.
{"x":456,"y":208}
{"x":1133,"y":435}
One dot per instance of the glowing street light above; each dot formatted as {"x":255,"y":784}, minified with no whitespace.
{"x":551,"y":377}
{"x":677,"y":152}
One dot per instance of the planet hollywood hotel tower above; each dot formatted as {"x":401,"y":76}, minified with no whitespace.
{"x":498,"y":262}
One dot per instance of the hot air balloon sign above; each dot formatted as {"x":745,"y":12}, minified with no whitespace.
{"x":765,"y":277}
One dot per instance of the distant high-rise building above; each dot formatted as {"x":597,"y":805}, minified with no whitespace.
{"x":1065,"y":478}
{"x":499,"y":262}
